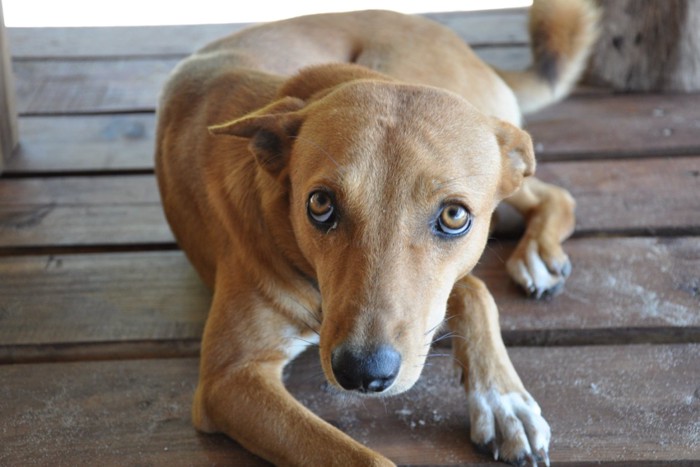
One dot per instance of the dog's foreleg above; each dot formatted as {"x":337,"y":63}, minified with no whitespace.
{"x":251,"y":405}
{"x":539,"y":263}
{"x":240,"y":393}
{"x":504,"y":417}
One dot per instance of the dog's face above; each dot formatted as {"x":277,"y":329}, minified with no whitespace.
{"x":392,"y":188}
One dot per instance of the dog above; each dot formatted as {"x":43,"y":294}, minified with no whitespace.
{"x":333,"y":178}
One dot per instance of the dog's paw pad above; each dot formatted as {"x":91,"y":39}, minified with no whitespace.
{"x":510,"y":426}
{"x":540,"y":270}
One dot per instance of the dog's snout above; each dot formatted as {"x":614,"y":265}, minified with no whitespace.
{"x":372,"y":371}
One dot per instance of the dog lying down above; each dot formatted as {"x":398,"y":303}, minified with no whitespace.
{"x":333,"y":178}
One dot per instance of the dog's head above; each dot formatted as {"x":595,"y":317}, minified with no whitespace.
{"x":391,"y":188}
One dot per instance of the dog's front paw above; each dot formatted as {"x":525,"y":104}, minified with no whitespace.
{"x":539,"y":266}
{"x":510,"y":426}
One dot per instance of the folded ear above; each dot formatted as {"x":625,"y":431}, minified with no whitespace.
{"x":517,"y":156}
{"x":270,"y":130}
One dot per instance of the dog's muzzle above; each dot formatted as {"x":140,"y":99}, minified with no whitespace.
{"x":365,"y":371}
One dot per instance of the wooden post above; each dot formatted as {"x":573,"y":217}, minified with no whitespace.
{"x":648,"y":45}
{"x":8,"y":115}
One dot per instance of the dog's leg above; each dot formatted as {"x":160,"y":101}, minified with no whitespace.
{"x":504,"y":417}
{"x":539,"y":263}
{"x":247,"y":342}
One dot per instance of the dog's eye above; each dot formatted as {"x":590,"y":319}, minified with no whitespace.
{"x":453,"y":220}
{"x":321,"y":209}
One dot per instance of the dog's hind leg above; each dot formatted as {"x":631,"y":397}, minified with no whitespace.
{"x":539,"y":264}
{"x":505,"y":419}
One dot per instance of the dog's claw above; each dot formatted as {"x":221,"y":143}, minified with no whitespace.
{"x":509,"y":426}
{"x":543,"y":456}
{"x":490,"y":447}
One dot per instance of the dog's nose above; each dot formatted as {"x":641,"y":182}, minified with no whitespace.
{"x":372,"y":371}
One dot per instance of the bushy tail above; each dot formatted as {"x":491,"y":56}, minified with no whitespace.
{"x":562,"y":34}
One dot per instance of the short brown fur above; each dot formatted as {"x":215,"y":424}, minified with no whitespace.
{"x":392,"y":130}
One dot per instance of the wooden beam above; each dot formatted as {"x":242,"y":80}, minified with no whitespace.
{"x":8,"y":116}
{"x":648,"y":46}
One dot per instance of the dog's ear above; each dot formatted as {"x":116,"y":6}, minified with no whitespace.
{"x":270,"y":130}
{"x":517,"y":156}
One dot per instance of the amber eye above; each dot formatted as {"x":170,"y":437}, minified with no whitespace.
{"x":453,"y":220}
{"x":321,"y":209}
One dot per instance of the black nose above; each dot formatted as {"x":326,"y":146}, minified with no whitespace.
{"x":371,"y":371}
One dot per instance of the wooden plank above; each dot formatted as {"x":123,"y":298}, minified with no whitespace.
{"x":623,"y":125}
{"x":81,"y":211}
{"x":114,"y":42}
{"x":618,"y":125}
{"x":100,"y":298}
{"x":131,"y":85}
{"x":502,"y":27}
{"x":629,"y":197}
{"x":487,"y":28}
{"x":88,"y":86}
{"x":612,"y":405}
{"x":624,"y":196}
{"x":85,"y":144}
{"x":8,"y":114}
{"x":621,"y":290}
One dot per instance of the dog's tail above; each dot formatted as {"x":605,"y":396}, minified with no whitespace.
{"x":562,"y":34}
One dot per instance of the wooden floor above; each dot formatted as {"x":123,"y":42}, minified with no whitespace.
{"x":101,"y":315}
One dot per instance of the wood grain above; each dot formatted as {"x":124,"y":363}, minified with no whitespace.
{"x":600,"y":402}
{"x":84,"y":144}
{"x":81,"y":211}
{"x":97,"y":298}
{"x":90,"y":86}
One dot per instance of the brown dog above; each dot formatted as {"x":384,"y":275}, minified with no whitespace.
{"x":347,"y":203}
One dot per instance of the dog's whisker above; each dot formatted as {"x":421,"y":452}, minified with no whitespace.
{"x":442,"y":337}
{"x":311,"y":314}
{"x":440,"y":324}
{"x":437,"y":326}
